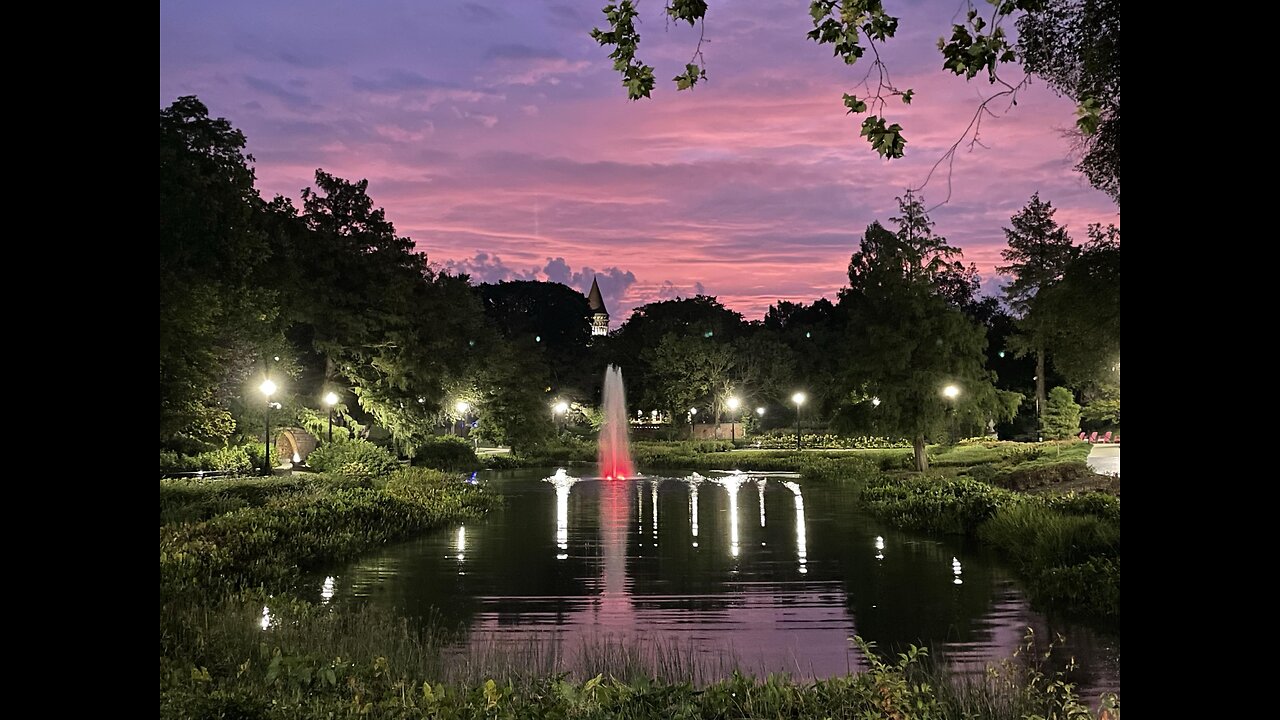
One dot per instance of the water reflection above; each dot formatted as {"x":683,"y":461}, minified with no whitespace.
{"x":760,"y":490}
{"x":653,"y":493}
{"x":563,"y":483}
{"x":770,"y":605}
{"x":731,"y":484}
{"x":266,"y":618}
{"x":326,"y":590}
{"x":802,"y":545}
{"x":694,"y":481}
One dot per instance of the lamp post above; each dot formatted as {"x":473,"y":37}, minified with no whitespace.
{"x":268,"y":388}
{"x":560,"y":408}
{"x":331,"y":399}
{"x":950,"y":392}
{"x":733,"y":403}
{"x":798,"y":399}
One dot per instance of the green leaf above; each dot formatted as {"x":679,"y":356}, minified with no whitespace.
{"x":854,"y":104}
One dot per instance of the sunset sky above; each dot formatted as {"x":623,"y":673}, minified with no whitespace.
{"x":497,"y":136}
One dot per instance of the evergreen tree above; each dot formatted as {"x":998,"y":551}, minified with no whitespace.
{"x":1061,"y":418}
{"x":1038,"y":253}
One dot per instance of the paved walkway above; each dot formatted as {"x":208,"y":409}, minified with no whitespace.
{"x":1105,"y":459}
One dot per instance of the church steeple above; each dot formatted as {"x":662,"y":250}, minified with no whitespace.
{"x":599,"y":315}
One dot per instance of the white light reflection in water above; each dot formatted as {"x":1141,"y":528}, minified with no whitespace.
{"x":879,"y":548}
{"x":955,"y":570}
{"x":461,"y":542}
{"x":731,"y":485}
{"x":653,"y":495}
{"x":694,"y":480}
{"x":802,"y":550}
{"x":563,"y":483}
{"x":326,"y":591}
{"x":266,"y":618}
{"x":760,"y":490}
{"x":640,"y":510}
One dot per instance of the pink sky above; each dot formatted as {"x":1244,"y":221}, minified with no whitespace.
{"x":497,"y":136}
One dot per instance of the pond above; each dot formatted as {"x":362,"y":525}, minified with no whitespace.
{"x":765,"y":568}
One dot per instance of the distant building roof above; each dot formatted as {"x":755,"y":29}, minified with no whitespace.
{"x":594,"y":300}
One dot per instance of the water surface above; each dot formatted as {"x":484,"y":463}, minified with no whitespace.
{"x":768,"y":569}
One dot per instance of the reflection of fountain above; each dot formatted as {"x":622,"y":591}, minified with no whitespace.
{"x":653,"y":493}
{"x":802,"y":551}
{"x":760,"y":489}
{"x":615,"y":603}
{"x":694,"y":481}
{"x":731,"y":485}
{"x":879,"y":548}
{"x":614,"y":451}
{"x":955,"y":570}
{"x":563,"y":482}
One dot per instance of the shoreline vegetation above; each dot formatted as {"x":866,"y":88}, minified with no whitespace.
{"x":235,"y":643}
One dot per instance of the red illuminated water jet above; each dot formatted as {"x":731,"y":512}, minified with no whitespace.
{"x":615,"y":450}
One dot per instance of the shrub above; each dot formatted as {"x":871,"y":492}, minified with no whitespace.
{"x":354,"y":459}
{"x":234,"y":458}
{"x":447,"y":452}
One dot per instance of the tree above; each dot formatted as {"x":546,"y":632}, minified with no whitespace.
{"x":1061,"y":418}
{"x":1081,"y":313}
{"x":687,"y":371}
{"x":1038,"y":253}
{"x":1074,"y":45}
{"x":906,"y":342}
{"x":215,"y":313}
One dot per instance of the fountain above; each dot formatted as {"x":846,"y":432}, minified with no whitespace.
{"x":614,"y":452}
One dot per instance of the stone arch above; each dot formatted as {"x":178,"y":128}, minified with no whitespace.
{"x":292,"y":440}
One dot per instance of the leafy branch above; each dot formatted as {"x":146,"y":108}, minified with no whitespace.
{"x":846,"y":25}
{"x":636,"y":76}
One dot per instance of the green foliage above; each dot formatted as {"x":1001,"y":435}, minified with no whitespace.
{"x":971,"y":50}
{"x":886,"y":140}
{"x":782,"y":440}
{"x":1104,"y":408}
{"x":192,"y":500}
{"x":1068,"y":547}
{"x":356,"y":459}
{"x":281,"y":531}
{"x":447,"y":452}
{"x":636,"y":76}
{"x":234,"y":459}
{"x":1061,"y":418}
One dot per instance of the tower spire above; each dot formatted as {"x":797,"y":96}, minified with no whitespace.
{"x":599,"y":315}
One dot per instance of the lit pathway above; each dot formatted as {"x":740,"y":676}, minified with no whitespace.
{"x":1105,"y":459}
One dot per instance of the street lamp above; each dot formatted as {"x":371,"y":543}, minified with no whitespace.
{"x":462,"y":406}
{"x":560,"y":408}
{"x":951,"y":392}
{"x":268,"y":388}
{"x":875,"y":402}
{"x":733,"y":403}
{"x":798,"y":399}
{"x":331,"y":399}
